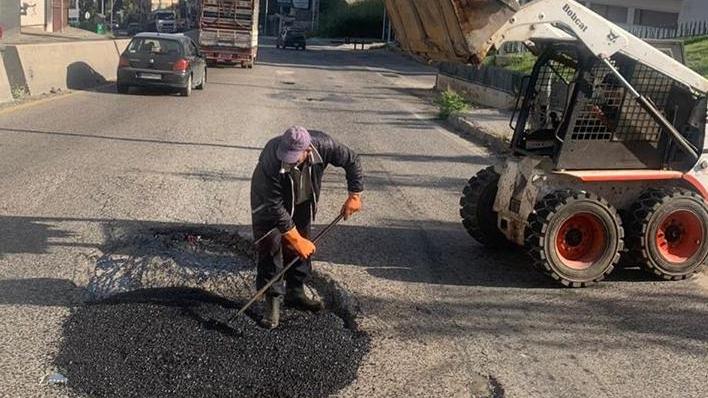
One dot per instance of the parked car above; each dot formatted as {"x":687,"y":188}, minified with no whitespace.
{"x":134,"y":28}
{"x":162,"y":60}
{"x":291,"y":38}
{"x":164,"y":21}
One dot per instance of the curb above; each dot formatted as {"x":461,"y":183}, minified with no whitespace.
{"x":478,"y":133}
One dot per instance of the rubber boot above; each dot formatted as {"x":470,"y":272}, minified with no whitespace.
{"x":295,"y":297}
{"x":271,"y":317}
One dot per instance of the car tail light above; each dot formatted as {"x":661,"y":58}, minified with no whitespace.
{"x":123,"y":62}
{"x":181,"y":65}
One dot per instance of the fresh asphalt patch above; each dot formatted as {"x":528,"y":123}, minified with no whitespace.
{"x":179,"y":343}
{"x":160,"y":324}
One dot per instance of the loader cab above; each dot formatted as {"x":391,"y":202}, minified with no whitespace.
{"x":575,"y":111}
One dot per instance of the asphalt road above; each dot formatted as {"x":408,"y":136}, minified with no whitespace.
{"x":84,"y":169}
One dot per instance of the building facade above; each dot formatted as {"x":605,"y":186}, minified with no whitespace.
{"x":47,"y":15}
{"x":653,"y":13}
{"x":9,"y":18}
{"x":694,"y":11}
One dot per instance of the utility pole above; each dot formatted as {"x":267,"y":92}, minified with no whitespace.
{"x":383,"y":29}
{"x":265,"y":19}
{"x":312,"y":10}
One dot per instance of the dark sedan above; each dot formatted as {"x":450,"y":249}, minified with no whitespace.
{"x":291,"y":38}
{"x":161,"y":60}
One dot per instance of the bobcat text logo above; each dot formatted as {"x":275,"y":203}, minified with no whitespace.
{"x":574,"y":17}
{"x":612,"y":37}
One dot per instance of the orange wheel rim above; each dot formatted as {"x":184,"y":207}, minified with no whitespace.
{"x":581,"y":241}
{"x":680,"y":236}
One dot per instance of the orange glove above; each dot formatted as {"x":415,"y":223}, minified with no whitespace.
{"x":302,"y":246}
{"x":352,"y":205}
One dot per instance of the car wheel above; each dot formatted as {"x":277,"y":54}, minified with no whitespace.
{"x":122,"y":88}
{"x":202,"y":84}
{"x":187,"y":90}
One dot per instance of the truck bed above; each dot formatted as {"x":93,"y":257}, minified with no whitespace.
{"x":228,"y":29}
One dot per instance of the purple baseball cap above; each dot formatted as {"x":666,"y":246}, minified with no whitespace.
{"x":292,"y":143}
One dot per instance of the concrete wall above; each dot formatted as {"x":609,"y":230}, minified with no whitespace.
{"x":121,"y":45}
{"x":476,"y":93}
{"x":75,"y":65}
{"x":35,"y":12}
{"x":5,"y":91}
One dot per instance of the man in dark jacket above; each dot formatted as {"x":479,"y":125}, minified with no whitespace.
{"x":285,"y":189}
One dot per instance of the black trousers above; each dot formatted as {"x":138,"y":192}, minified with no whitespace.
{"x":273,"y":254}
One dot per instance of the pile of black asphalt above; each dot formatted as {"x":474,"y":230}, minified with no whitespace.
{"x":182,"y":343}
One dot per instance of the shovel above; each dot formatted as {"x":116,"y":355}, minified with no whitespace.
{"x":285,"y":269}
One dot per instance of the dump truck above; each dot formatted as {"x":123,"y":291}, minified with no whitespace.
{"x":609,"y":156}
{"x":228,"y":31}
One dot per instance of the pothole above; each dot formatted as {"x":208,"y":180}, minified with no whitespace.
{"x":217,"y":261}
{"x":161,"y":324}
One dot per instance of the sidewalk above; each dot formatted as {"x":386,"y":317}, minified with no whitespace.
{"x":33,"y":35}
{"x":488,"y":125}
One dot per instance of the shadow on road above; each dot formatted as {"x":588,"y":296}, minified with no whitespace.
{"x":122,"y":139}
{"x":503,"y":289}
{"x":81,"y":76}
{"x":422,"y":252}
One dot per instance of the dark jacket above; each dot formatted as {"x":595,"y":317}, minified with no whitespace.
{"x":272,"y":188}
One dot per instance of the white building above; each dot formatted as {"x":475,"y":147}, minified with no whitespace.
{"x":694,"y":10}
{"x":47,"y":15}
{"x":653,"y":13}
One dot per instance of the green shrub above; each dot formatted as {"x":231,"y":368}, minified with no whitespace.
{"x":450,"y":103}
{"x":19,"y":93}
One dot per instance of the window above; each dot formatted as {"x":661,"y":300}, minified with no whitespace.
{"x":614,"y":14}
{"x":193,"y":49}
{"x":154,"y":46}
{"x":656,"y":19}
{"x":165,"y":16}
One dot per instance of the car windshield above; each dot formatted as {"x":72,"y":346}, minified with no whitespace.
{"x":148,"y":45}
{"x":165,"y":16}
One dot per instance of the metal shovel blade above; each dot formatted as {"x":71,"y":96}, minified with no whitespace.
{"x":449,"y":30}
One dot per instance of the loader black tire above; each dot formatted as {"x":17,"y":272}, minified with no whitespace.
{"x":476,"y":209}
{"x":667,"y":233}
{"x":575,"y":237}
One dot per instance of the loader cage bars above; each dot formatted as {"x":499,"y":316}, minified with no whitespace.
{"x":573,"y":109}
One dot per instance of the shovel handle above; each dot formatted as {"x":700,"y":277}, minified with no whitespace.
{"x":285,"y":269}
